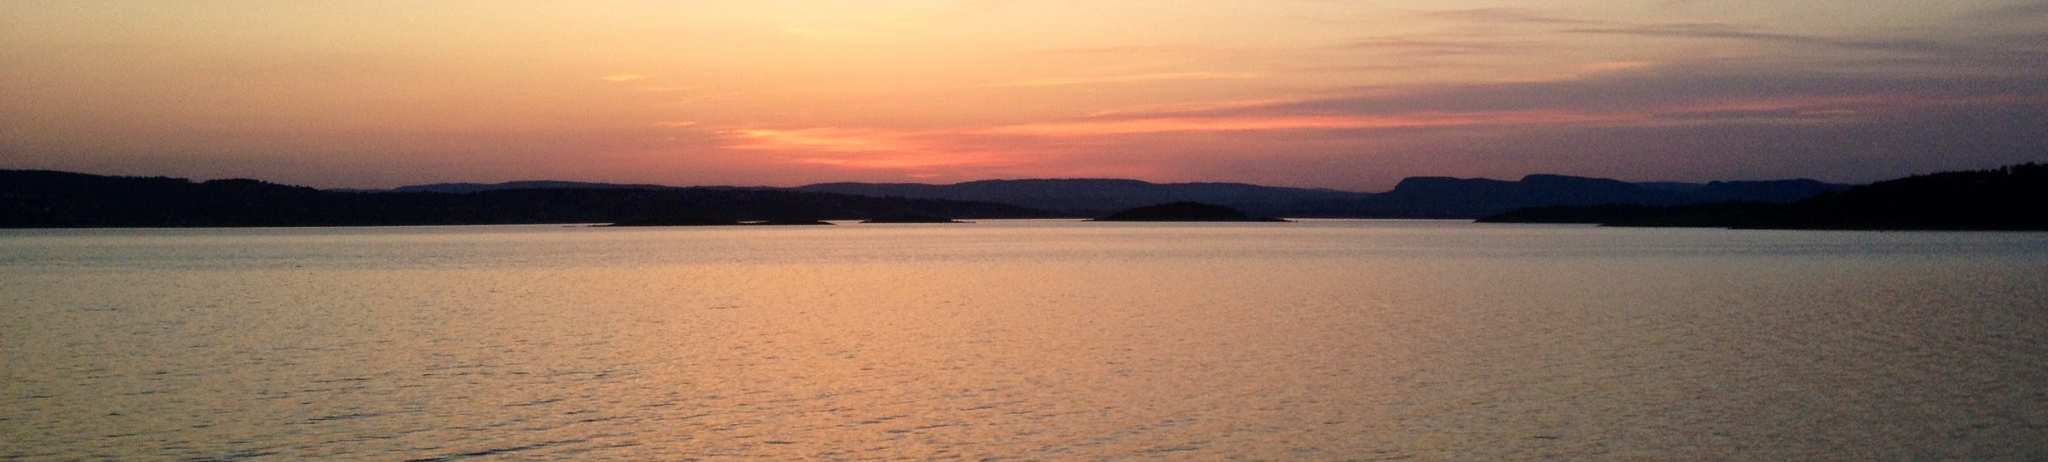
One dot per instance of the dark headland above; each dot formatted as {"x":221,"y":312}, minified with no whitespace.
{"x":1185,"y":211}
{"x":2013,"y":198}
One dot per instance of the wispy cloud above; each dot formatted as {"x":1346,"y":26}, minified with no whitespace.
{"x":1627,"y":94}
{"x":1502,"y":15}
{"x":1183,"y":108}
{"x":623,"y":78}
{"x":830,"y":139}
{"x":1659,"y":118}
{"x":1648,"y":90}
{"x":1409,"y":45}
{"x":664,"y":88}
{"x":1127,"y":78}
{"x":867,"y":148}
{"x":1249,"y":123}
{"x":2006,"y":52}
{"x":1117,"y":50}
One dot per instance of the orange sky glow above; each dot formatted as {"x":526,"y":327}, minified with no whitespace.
{"x":1339,"y":94}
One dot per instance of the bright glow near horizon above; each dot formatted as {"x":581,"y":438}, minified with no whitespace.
{"x":1341,"y":94}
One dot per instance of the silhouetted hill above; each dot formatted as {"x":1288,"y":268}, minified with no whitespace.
{"x":1183,"y":211}
{"x":2008,"y":198}
{"x":1419,"y":197}
{"x":1715,"y":215}
{"x":60,"y":199}
{"x":44,"y":198}
{"x":465,"y":188}
{"x":1773,"y":191}
{"x":1090,"y":197}
{"x":1440,"y":197}
{"x":1431,"y":197}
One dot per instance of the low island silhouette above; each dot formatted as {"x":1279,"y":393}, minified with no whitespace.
{"x":1185,"y":212}
{"x":702,"y":221}
{"x":911,"y":219}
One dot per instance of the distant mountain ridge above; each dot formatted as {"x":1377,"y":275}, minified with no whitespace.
{"x":465,"y":188}
{"x":1092,"y":197}
{"x":1415,"y":197}
{"x":50,"y":199}
{"x":1440,"y":197}
{"x":61,"y":199}
{"x":2005,"y":198}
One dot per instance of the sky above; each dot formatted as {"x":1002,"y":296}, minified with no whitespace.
{"x":1348,"y":95}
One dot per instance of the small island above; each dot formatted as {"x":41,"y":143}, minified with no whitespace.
{"x":1185,"y":212}
{"x":674,"y":221}
{"x":701,"y":221}
{"x":792,"y":222}
{"x":910,"y":219}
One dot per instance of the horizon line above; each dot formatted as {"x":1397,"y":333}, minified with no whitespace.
{"x":796,"y":186}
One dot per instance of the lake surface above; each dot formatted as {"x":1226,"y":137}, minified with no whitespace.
{"x":1023,"y":340}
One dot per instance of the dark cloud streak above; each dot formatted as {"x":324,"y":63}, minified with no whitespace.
{"x":1413,"y":45}
{"x":1504,"y":15}
{"x":1651,"y":90}
{"x":1731,"y":32}
{"x":2035,"y":11}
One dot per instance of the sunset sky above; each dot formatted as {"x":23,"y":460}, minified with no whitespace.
{"x":1324,"y":93}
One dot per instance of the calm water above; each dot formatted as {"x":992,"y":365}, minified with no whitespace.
{"x":1023,"y":340}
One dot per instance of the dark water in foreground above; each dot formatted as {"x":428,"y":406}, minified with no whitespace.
{"x":1024,"y":340}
